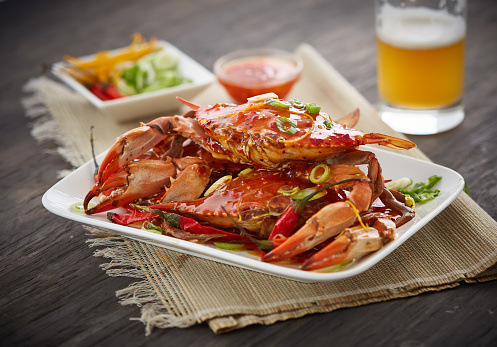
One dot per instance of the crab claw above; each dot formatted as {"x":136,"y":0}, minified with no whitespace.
{"x":138,"y":180}
{"x":353,"y":243}
{"x":327,"y":222}
{"x":131,"y":145}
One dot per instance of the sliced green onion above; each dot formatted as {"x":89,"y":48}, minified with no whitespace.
{"x":286,"y":125}
{"x":312,"y":108}
{"x":78,"y":207}
{"x":217,"y":184}
{"x":431,"y":181}
{"x":147,"y":226}
{"x":288,"y":192}
{"x":327,"y":124}
{"x":296,"y":103}
{"x":245,"y":171}
{"x":421,"y":192}
{"x":229,"y":246}
{"x":401,"y":183}
{"x":278,"y":103}
{"x":324,"y":176}
{"x":304,"y":192}
{"x":334,"y":268}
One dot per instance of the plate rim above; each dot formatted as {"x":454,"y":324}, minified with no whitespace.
{"x":231,"y":258}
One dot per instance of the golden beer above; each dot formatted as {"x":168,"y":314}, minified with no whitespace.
{"x":420,"y":58}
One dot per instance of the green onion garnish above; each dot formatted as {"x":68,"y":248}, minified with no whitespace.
{"x":327,"y":124}
{"x":278,"y":103}
{"x":312,"y":108}
{"x":288,"y":192}
{"x":217,"y":184}
{"x":147,"y":226}
{"x":286,"y":125}
{"x":302,"y":194}
{"x":78,"y":207}
{"x":334,"y":268}
{"x":422,"y":192}
{"x":323,"y":177}
{"x":296,"y":103}
{"x":245,"y":171}
{"x":229,"y":246}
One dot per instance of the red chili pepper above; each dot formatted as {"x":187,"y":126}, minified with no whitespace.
{"x":130,"y":217}
{"x":285,"y":224}
{"x":112,"y":93}
{"x":175,"y":220}
{"x":192,"y":226}
{"x":107,"y":92}
{"x":97,"y":89}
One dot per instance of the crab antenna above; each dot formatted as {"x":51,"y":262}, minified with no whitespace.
{"x":189,"y":103}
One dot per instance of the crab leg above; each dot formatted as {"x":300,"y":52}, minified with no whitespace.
{"x":357,"y":157}
{"x":353,"y":243}
{"x":387,"y":141}
{"x":190,"y":104}
{"x":327,"y":222}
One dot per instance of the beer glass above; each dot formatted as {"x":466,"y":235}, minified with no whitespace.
{"x":420,"y":67}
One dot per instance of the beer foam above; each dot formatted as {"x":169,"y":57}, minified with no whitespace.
{"x":419,"y":28}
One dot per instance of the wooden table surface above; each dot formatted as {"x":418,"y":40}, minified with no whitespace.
{"x":52,"y":290}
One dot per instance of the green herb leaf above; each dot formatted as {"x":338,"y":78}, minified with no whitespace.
{"x":78,"y":207}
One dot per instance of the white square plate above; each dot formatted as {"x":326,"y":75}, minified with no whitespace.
{"x":74,"y":188}
{"x":148,"y":104}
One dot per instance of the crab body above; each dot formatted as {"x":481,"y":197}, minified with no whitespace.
{"x":281,"y":143}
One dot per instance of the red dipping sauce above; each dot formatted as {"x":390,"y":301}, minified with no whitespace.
{"x":258,"y":71}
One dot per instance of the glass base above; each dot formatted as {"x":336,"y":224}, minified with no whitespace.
{"x":421,"y":122}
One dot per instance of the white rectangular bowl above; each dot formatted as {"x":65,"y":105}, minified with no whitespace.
{"x":148,"y":104}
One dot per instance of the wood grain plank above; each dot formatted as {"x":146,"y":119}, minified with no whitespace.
{"x":53,"y":291}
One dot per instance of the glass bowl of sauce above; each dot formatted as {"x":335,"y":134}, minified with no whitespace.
{"x":251,"y":72}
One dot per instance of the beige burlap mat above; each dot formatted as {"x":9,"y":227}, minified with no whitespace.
{"x":179,"y":290}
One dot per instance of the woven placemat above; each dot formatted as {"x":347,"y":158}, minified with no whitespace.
{"x":180,"y":290}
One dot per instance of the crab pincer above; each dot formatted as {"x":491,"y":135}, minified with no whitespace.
{"x":353,"y":243}
{"x":327,"y":222}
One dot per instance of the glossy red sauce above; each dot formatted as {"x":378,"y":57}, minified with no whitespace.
{"x":258,"y":75}
{"x":260,"y":119}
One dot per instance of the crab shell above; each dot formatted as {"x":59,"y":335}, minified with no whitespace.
{"x":264,"y":135}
